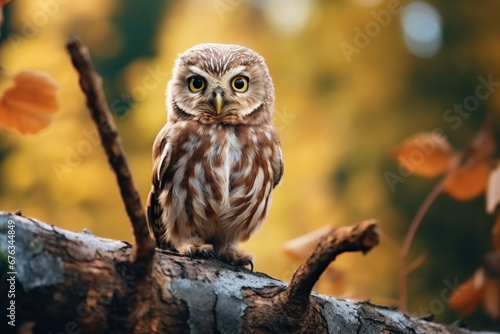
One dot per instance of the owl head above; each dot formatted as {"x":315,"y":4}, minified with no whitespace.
{"x":220,"y":84}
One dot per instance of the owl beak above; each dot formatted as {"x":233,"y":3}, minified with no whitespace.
{"x":218,"y":95}
{"x":218,"y":102}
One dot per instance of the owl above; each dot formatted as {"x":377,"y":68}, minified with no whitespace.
{"x":218,"y":158}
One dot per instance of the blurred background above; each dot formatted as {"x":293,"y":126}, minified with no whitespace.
{"x":353,"y":79}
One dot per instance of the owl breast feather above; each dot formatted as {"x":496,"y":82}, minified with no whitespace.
{"x":221,"y":177}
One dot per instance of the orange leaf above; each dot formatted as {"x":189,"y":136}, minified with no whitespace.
{"x":468,"y":181}
{"x":493,"y":192}
{"x":300,"y":248}
{"x":333,"y":282}
{"x":491,"y":300}
{"x":28,"y":105}
{"x":425,"y":154}
{"x":468,"y":295}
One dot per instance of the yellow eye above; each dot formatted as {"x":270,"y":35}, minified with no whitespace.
{"x":196,"y":84}
{"x":240,"y":83}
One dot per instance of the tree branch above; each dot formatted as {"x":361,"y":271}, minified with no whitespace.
{"x":361,"y":237}
{"x":91,"y":84}
{"x":87,"y":286}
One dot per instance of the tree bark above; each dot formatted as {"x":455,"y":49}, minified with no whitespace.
{"x":67,"y":282}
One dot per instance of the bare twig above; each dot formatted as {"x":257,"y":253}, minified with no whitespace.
{"x":360,"y":237}
{"x":91,"y":84}
{"x":477,"y":147}
{"x":415,"y":224}
{"x":416,"y":263}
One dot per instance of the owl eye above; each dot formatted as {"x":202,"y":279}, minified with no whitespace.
{"x":240,"y":83}
{"x":196,"y":84}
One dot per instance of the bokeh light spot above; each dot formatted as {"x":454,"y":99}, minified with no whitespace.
{"x":422,"y":29}
{"x":289,"y":16}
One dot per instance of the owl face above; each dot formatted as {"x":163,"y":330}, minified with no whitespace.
{"x":220,"y":84}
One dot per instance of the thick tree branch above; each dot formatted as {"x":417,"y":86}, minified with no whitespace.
{"x":361,"y":237}
{"x":91,"y":84}
{"x":79,"y":283}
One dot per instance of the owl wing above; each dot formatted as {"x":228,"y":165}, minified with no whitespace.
{"x":161,"y":160}
{"x":277,"y":160}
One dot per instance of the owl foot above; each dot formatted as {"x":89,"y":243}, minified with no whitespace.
{"x":251,"y":265}
{"x":192,"y":249}
{"x":238,"y":257}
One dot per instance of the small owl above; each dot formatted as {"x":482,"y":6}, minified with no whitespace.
{"x":218,"y":158}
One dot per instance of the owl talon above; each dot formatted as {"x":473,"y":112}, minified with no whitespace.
{"x":237,"y":257}
{"x":250,"y":262}
{"x":196,"y":248}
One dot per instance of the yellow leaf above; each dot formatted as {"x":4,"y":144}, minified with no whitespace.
{"x":493,"y":192}
{"x":468,"y":181}
{"x":468,"y":295}
{"x":425,"y":154}
{"x":29,"y":104}
{"x":300,"y":248}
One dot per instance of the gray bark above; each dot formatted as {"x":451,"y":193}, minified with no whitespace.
{"x":69,"y":282}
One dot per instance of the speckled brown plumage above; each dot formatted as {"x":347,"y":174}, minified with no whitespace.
{"x":218,"y":158}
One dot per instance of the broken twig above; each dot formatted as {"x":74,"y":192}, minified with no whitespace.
{"x":91,"y":84}
{"x":360,"y":237}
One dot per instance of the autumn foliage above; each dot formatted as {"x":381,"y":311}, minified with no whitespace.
{"x":337,"y":123}
{"x":468,"y":174}
{"x":468,"y":179}
{"x":29,"y":104}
